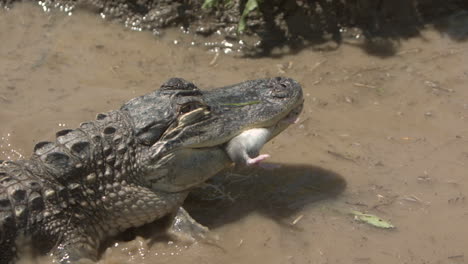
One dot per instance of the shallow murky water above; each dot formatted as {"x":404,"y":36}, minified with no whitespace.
{"x":383,"y":136}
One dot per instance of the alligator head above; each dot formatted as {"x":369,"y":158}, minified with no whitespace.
{"x":185,"y":133}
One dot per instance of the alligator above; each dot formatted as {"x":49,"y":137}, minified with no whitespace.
{"x":135,"y":165}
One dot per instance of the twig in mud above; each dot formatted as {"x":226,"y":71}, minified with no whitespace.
{"x":414,"y":199}
{"x":297,"y":220}
{"x":378,"y":68}
{"x":340,"y":156}
{"x":443,"y":54}
{"x":317,"y":65}
{"x":357,"y":204}
{"x":389,"y":201}
{"x":318,"y":81}
{"x":214,"y":60}
{"x":415,"y":50}
{"x":4,"y":98}
{"x":240,"y":243}
{"x":303,"y":120}
{"x":436,"y":86}
{"x":364,"y":85}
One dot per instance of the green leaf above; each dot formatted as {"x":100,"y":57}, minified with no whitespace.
{"x":208,"y":4}
{"x":371,"y":220}
{"x":250,"y":6}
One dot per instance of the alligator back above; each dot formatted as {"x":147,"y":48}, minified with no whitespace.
{"x":63,"y":181}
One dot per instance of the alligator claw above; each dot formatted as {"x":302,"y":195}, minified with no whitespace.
{"x":186,"y":229}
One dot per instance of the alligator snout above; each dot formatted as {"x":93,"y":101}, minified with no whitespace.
{"x":282,"y":87}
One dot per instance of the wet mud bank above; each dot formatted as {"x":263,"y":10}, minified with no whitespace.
{"x":376,"y":25}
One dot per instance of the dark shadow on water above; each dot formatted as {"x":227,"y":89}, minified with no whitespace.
{"x":278,"y":193}
{"x":233,"y":194}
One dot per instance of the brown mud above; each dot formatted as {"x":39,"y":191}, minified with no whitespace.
{"x":386,"y":135}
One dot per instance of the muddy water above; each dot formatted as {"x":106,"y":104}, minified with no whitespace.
{"x":383,"y":136}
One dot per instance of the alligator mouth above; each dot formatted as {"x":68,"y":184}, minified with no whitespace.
{"x":244,"y":148}
{"x":293,"y":116}
{"x":283,"y":121}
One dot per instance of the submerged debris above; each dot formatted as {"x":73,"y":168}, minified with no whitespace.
{"x":371,"y":220}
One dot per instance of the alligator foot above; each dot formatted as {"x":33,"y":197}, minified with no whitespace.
{"x":76,"y":248}
{"x":184,"y":228}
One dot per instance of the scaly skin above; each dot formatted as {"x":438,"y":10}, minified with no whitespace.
{"x":128,"y":167}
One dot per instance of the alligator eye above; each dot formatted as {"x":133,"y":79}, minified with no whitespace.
{"x":189,"y":107}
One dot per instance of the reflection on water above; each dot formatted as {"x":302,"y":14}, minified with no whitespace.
{"x":7,"y":151}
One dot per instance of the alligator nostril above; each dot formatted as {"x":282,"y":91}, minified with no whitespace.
{"x":280,"y":93}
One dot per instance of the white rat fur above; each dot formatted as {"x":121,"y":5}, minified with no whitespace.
{"x":245,"y":148}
